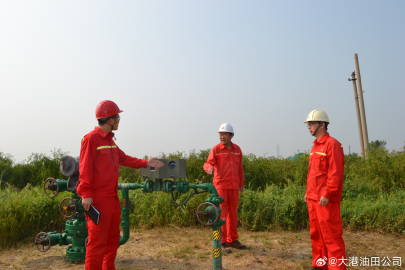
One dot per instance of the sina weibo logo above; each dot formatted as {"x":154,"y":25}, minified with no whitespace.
{"x":321,"y":261}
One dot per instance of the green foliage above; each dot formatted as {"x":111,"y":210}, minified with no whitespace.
{"x":33,"y":171}
{"x":383,"y":171}
{"x":386,"y":213}
{"x":380,"y":172}
{"x":261,"y":172}
{"x":373,"y":195}
{"x":6,"y":164}
{"x":377,"y":144}
{"x":130,"y":175}
{"x":195,"y":162}
{"x":275,"y":208}
{"x":157,"y":209}
{"x":26,"y":212}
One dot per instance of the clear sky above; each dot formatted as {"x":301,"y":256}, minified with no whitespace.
{"x":179,"y":69}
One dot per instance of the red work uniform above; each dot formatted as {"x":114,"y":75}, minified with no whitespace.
{"x":228,"y":180}
{"x":100,"y":159}
{"x":325,"y":179}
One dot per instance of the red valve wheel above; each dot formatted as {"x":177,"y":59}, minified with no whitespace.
{"x":68,"y":207}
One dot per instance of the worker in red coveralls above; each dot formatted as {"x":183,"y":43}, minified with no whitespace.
{"x":225,"y":161}
{"x":323,"y":195}
{"x":100,"y":159}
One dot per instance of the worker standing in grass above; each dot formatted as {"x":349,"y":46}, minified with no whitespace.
{"x":100,"y":159}
{"x":323,"y":195}
{"x":225,"y":162}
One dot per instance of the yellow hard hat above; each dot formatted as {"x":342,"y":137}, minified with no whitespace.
{"x":317,"y":116}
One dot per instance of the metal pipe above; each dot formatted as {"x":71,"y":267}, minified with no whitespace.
{"x":124,"y":216}
{"x":124,"y":187}
{"x":216,"y":248}
{"x":207,"y":187}
{"x":129,"y":186}
{"x":216,"y":227}
{"x":361,"y":104}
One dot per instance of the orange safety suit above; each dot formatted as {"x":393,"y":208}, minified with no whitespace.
{"x":228,"y":180}
{"x":100,"y":159}
{"x":325,"y":179}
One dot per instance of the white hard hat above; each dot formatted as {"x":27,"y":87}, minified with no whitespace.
{"x":317,"y":116}
{"x":225,"y":127}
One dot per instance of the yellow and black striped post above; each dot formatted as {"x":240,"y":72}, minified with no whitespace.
{"x":216,"y":248}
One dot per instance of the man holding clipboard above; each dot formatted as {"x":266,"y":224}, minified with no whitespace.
{"x":93,"y":214}
{"x":100,"y":159}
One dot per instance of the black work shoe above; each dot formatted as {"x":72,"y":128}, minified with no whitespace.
{"x":226,"y":244}
{"x":236,"y":244}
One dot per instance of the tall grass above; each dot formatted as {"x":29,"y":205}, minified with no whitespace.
{"x":26,"y":212}
{"x":373,"y":195}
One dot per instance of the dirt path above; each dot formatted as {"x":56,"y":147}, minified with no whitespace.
{"x":190,"y":248}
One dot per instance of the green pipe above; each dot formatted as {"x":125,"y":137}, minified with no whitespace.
{"x":216,"y":227}
{"x":129,"y":186}
{"x":124,"y":216}
{"x":58,"y":185}
{"x":180,"y":187}
{"x":57,"y":238}
{"x":207,"y":187}
{"x":124,"y":187}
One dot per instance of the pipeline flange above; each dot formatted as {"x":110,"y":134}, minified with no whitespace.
{"x":207,"y":213}
{"x":68,"y":207}
{"x":42,"y":241}
{"x":51,"y":187}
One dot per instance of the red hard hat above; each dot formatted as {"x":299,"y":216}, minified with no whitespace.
{"x":107,"y":108}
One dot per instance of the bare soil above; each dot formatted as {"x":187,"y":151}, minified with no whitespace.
{"x":173,"y":248}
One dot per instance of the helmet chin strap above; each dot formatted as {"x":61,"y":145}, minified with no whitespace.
{"x":316,"y":130}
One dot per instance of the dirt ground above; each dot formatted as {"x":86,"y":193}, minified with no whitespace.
{"x":174,"y":248}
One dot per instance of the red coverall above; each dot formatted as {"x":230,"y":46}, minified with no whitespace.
{"x":100,"y":159}
{"x":228,"y":180}
{"x":325,"y":178}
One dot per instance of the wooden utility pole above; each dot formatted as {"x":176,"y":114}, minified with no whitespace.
{"x":356,"y":103}
{"x":361,"y":103}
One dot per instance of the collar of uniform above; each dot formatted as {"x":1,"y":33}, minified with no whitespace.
{"x":222,"y":146}
{"x":322,"y":139}
{"x":102,"y":133}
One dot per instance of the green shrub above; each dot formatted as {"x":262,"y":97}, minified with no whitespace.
{"x":33,"y":171}
{"x":373,"y":195}
{"x":275,"y":208}
{"x":157,"y":209}
{"x":385,"y":213}
{"x":26,"y":212}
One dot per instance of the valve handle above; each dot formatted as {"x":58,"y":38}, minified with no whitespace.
{"x":50,"y":187}
{"x":207,"y":213}
{"x":176,"y":195}
{"x":68,"y":207}
{"x":42,"y":242}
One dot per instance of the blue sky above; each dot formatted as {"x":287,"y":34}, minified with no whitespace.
{"x":179,"y":69}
